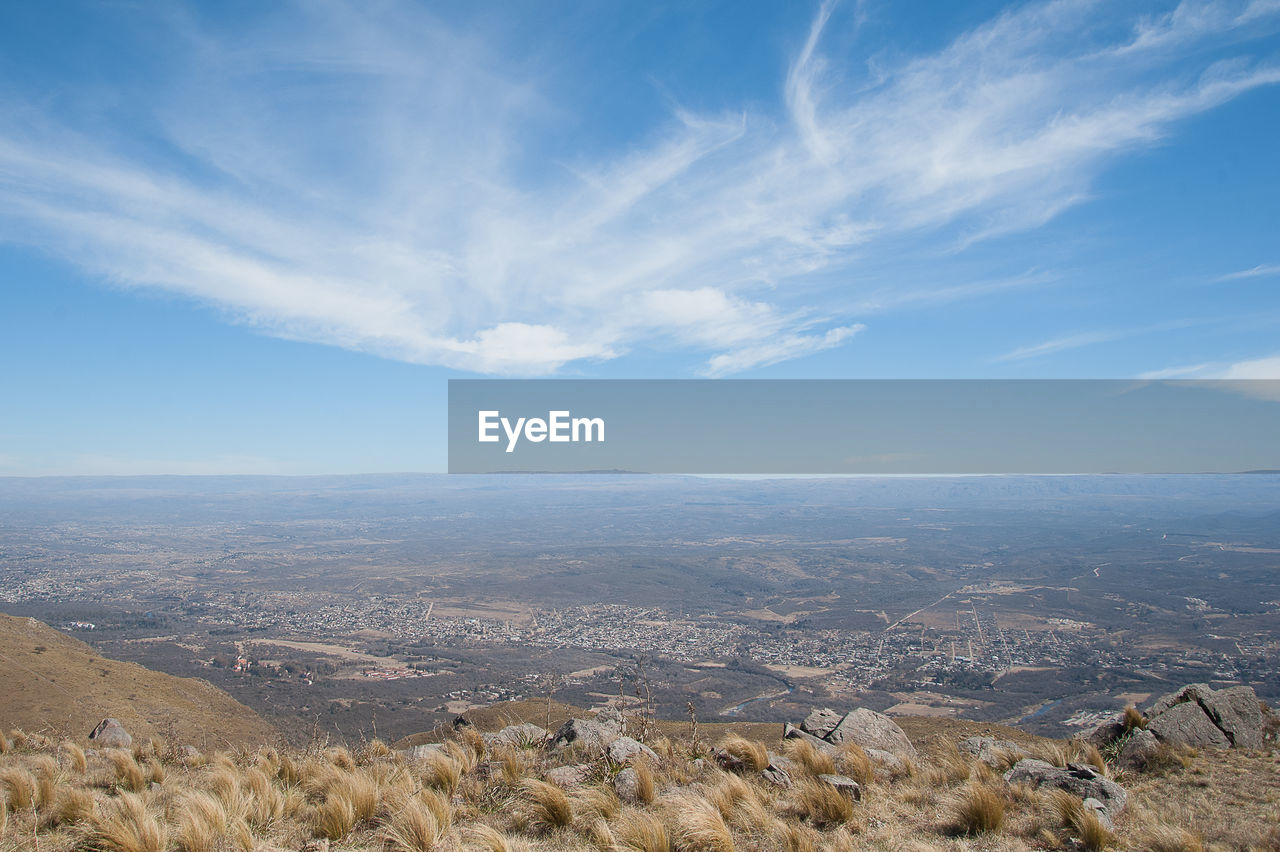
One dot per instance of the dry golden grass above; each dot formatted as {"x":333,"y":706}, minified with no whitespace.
{"x":442,"y":771}
{"x":1166,"y":838}
{"x":1133,"y":718}
{"x":200,"y":822}
{"x":952,"y":764}
{"x":646,"y":787}
{"x":19,"y":787}
{"x":4,"y":815}
{"x":548,"y":807}
{"x":754,"y":755}
{"x":128,"y":774}
{"x":821,"y":804}
{"x":699,"y":824}
{"x":125,"y":824}
{"x":415,"y":827}
{"x":854,"y":762}
{"x":1083,"y":825}
{"x":643,"y":832}
{"x":488,"y":838}
{"x":334,"y":818}
{"x":813,"y":761}
{"x":978,"y":809}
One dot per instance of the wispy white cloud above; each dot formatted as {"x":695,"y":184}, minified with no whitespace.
{"x":1255,"y":369}
{"x":1087,"y":338}
{"x":400,"y":196}
{"x":1262,"y":270}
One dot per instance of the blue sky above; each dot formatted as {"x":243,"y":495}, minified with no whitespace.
{"x":245,"y":237}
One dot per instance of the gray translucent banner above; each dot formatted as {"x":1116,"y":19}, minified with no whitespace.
{"x":863,"y":427}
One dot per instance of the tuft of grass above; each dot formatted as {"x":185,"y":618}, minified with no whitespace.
{"x":415,"y":827}
{"x":1093,"y":757}
{"x":790,"y":837}
{"x":75,"y":757}
{"x":954,"y":764}
{"x":473,"y":740}
{"x":1083,"y":824}
{"x":124,"y":824}
{"x":699,"y":825}
{"x":19,"y":787}
{"x":340,"y":757}
{"x":1051,"y":751}
{"x":4,"y":744}
{"x":4,"y":815}
{"x":200,"y":822}
{"x":548,"y":806}
{"x":814,"y":761}
{"x":128,"y":774}
{"x":264,"y":803}
{"x":70,"y":806}
{"x":1167,"y":838}
{"x":334,"y":818}
{"x":1133,"y":718}
{"x":441,"y":771}
{"x":978,"y":809}
{"x":643,"y":832}
{"x":753,"y":755}
{"x":287,"y":772}
{"x":854,"y":762}
{"x":593,"y":803}
{"x":823,"y":805}
{"x":490,"y":839}
{"x":646,"y":789}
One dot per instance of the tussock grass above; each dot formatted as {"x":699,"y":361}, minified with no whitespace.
{"x":75,"y":757}
{"x":954,"y":764}
{"x":813,"y":760}
{"x":1133,"y":718}
{"x":128,"y":774}
{"x":753,"y":755}
{"x":646,"y":787}
{"x":70,"y":806}
{"x":594,"y":803}
{"x":1083,"y":824}
{"x":548,"y":807}
{"x":334,"y":818}
{"x":442,"y":771}
{"x":821,"y":804}
{"x":4,"y":815}
{"x":978,"y":809}
{"x":643,"y":832}
{"x":19,"y":787}
{"x":415,"y":827}
{"x":200,"y":822}
{"x":124,"y":824}
{"x":1167,"y":838}
{"x":854,"y":762}
{"x":490,"y":839}
{"x":699,"y":825}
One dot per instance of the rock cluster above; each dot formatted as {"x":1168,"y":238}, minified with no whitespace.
{"x":1195,"y":715}
{"x":1099,"y":793}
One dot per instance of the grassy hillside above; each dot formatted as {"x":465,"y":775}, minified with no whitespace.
{"x":56,"y":685}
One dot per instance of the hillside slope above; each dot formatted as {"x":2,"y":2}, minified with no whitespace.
{"x":54,"y":684}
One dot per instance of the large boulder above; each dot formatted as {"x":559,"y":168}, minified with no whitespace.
{"x":111,"y":734}
{"x":625,"y":750}
{"x":1198,"y":715}
{"x":1080,"y":780}
{"x":1188,"y":724}
{"x":1138,"y":749}
{"x":872,"y":730}
{"x":517,"y":736}
{"x":822,"y":722}
{"x":991,"y":751}
{"x":791,"y":732}
{"x":591,"y":735}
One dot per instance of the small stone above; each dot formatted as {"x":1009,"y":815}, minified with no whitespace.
{"x":847,"y":786}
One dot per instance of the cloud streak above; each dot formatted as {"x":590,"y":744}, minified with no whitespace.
{"x":388,"y":185}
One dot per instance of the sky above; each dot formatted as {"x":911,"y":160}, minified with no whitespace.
{"x":241,"y":237}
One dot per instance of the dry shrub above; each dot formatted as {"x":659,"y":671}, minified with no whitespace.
{"x":753,"y":755}
{"x":699,"y":825}
{"x":200,"y":821}
{"x":415,"y":827}
{"x":822,"y":804}
{"x":548,"y":806}
{"x":978,"y":809}
{"x":441,"y":771}
{"x":123,"y":824}
{"x":1168,"y":838}
{"x":810,"y":757}
{"x":71,"y":806}
{"x":487,"y":837}
{"x":75,"y":757}
{"x":1083,"y":824}
{"x":854,"y":762}
{"x":128,"y":774}
{"x":19,"y":787}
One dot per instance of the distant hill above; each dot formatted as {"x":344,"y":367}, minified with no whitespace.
{"x":53,"y":684}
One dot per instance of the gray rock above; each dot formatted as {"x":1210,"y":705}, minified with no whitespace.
{"x":1188,"y":724}
{"x":990,"y":750}
{"x":1138,"y":748}
{"x":870,"y":729}
{"x":627,"y":785}
{"x":593,"y":735}
{"x":778,"y":772}
{"x":625,"y":749}
{"x":791,"y":732}
{"x":1080,"y":780}
{"x":568,"y":776}
{"x":1190,"y":692}
{"x":421,"y":752}
{"x":518,"y":736}
{"x":819,"y":723}
{"x":850,"y":788}
{"x":111,"y":734}
{"x":1238,"y":713}
{"x":1098,"y":809}
{"x":1105,"y":734}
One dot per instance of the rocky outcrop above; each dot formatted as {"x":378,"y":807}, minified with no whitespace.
{"x":627,"y":785}
{"x":594,"y":736}
{"x":1138,"y":749}
{"x":517,"y":736}
{"x":111,"y":734}
{"x":991,"y":751}
{"x":568,"y":776}
{"x":625,"y":750}
{"x":866,"y":728}
{"x":1200,"y":716}
{"x":1080,"y":780}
